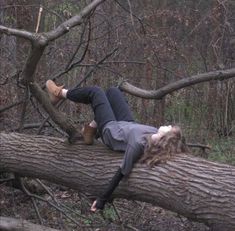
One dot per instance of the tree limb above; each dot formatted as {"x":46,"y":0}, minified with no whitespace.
{"x":195,"y":79}
{"x":72,"y":22}
{"x":57,"y":32}
{"x":17,"y":32}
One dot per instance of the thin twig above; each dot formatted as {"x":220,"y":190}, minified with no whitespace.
{"x":70,"y":65}
{"x":202,"y":146}
{"x":56,"y":201}
{"x":46,"y":118}
{"x":11,"y":106}
{"x":96,"y":66}
{"x":32,"y":199}
{"x":131,"y":227}
{"x":39,"y":18}
{"x":139,"y":19}
{"x":117,"y":213}
{"x":36,"y":210}
{"x":139,"y":212}
{"x":50,"y":203}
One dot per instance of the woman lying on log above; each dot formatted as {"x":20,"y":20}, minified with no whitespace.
{"x":114,"y":122}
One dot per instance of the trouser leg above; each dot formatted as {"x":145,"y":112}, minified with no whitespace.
{"x":119,"y":105}
{"x":98,"y":100}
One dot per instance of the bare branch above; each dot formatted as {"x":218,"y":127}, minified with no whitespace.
{"x":195,"y":79}
{"x":63,"y":121}
{"x":59,"y":31}
{"x":72,"y":22}
{"x":16,"y":32}
{"x":202,"y":146}
{"x":2,"y":109}
{"x":56,"y":206}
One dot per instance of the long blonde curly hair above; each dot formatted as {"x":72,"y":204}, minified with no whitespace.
{"x":170,"y":144}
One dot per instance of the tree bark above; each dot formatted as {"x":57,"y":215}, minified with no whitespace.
{"x":198,"y":189}
{"x":12,"y":224}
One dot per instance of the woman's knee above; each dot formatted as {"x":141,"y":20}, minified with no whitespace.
{"x":96,"y":89}
{"x":113,"y":90}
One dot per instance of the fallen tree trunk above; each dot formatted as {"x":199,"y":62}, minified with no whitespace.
{"x":12,"y":224}
{"x":198,"y":189}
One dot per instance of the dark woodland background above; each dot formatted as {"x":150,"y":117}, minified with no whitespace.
{"x":157,"y":42}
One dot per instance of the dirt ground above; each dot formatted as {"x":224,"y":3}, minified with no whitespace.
{"x":124,"y":215}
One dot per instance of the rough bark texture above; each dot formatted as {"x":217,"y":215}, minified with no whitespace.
{"x":198,"y":189}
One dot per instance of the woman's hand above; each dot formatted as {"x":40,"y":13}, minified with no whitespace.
{"x":99,"y":203}
{"x":93,"y":207}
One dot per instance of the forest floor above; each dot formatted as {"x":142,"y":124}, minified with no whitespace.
{"x":124,"y":215}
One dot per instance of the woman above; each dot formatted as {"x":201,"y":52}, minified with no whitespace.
{"x":118,"y":130}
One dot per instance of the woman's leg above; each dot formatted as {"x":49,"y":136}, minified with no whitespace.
{"x":98,"y":100}
{"x":119,"y":105}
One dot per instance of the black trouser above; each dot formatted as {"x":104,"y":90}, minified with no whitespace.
{"x":109,"y":106}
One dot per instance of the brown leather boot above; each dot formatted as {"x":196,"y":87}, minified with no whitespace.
{"x":54,"y":91}
{"x":89,"y":133}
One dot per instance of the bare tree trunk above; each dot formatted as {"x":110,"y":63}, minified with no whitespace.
{"x":198,"y":189}
{"x":12,"y":224}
